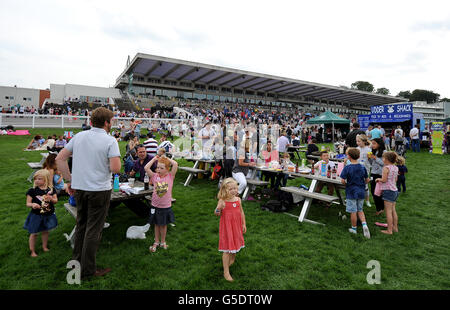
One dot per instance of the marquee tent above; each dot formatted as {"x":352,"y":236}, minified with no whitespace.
{"x":328,"y":118}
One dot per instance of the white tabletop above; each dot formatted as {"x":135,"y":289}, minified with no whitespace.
{"x":318,"y":177}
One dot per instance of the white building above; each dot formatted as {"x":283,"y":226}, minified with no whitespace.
{"x":60,"y":93}
{"x":432,"y":112}
{"x":446,"y":108}
{"x":13,"y":96}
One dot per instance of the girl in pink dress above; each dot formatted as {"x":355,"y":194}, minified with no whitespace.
{"x":232,"y":224}
{"x":161,"y":212}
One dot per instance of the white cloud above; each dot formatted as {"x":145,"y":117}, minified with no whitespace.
{"x":400,"y":45}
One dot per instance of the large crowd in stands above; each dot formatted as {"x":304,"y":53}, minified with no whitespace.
{"x":198,"y":107}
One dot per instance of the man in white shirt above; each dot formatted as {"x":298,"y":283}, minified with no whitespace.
{"x":283,"y":143}
{"x":414,"y":135}
{"x":207,"y":134}
{"x":95,"y":155}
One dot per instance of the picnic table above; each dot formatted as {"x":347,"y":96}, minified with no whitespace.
{"x":194,"y":170}
{"x":35,"y":166}
{"x":136,"y":202}
{"x":252,"y":181}
{"x":296,"y":150}
{"x":310,"y":194}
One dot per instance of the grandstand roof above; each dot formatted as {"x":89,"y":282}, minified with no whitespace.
{"x":177,"y":70}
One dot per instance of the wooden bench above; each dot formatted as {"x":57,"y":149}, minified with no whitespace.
{"x":72,"y":211}
{"x":35,"y":167}
{"x":305,"y":193}
{"x":191,"y":171}
{"x":257,"y":182}
{"x":309,"y":196}
{"x":251,"y":183}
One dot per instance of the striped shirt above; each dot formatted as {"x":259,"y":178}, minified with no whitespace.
{"x":165,"y":145}
{"x":151,"y":146}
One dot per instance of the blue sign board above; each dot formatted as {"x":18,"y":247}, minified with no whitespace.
{"x":363,"y":121}
{"x":393,"y":113}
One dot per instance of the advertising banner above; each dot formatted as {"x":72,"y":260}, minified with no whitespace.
{"x":363,"y":121}
{"x":393,"y":113}
{"x":437,"y":137}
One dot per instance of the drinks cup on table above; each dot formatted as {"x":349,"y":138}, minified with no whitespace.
{"x":131,"y":182}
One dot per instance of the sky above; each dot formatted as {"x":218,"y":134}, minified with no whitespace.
{"x":400,"y":45}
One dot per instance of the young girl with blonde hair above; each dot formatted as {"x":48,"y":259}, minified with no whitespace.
{"x":232,"y":224}
{"x":41,"y":219}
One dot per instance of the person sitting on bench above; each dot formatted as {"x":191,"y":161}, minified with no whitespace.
{"x":269,"y":155}
{"x":325,"y":158}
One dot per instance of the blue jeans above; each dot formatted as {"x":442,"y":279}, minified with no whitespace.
{"x":415,"y":143}
{"x":354,"y":205}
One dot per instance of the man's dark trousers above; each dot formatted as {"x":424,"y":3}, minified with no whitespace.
{"x":92,"y":209}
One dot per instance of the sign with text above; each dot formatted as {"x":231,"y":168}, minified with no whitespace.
{"x":393,"y":113}
{"x":363,"y":121}
{"x":437,"y":137}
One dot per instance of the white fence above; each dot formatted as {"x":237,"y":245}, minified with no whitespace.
{"x":66,"y":121}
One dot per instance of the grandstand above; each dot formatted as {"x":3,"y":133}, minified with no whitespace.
{"x":150,"y":79}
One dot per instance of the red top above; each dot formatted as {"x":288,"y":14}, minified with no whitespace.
{"x":231,"y":236}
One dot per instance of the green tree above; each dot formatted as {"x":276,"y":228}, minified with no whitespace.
{"x":363,"y":85}
{"x":445,"y":99}
{"x":405,"y":94}
{"x":383,"y":91}
{"x":424,"y":95}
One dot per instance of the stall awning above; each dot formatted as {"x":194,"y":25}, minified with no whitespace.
{"x":328,"y":118}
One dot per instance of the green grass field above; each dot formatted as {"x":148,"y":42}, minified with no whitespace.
{"x":280,"y":252}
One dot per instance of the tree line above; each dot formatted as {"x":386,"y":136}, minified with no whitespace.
{"x":416,"y":95}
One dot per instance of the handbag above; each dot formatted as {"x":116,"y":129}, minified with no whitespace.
{"x":378,"y":191}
